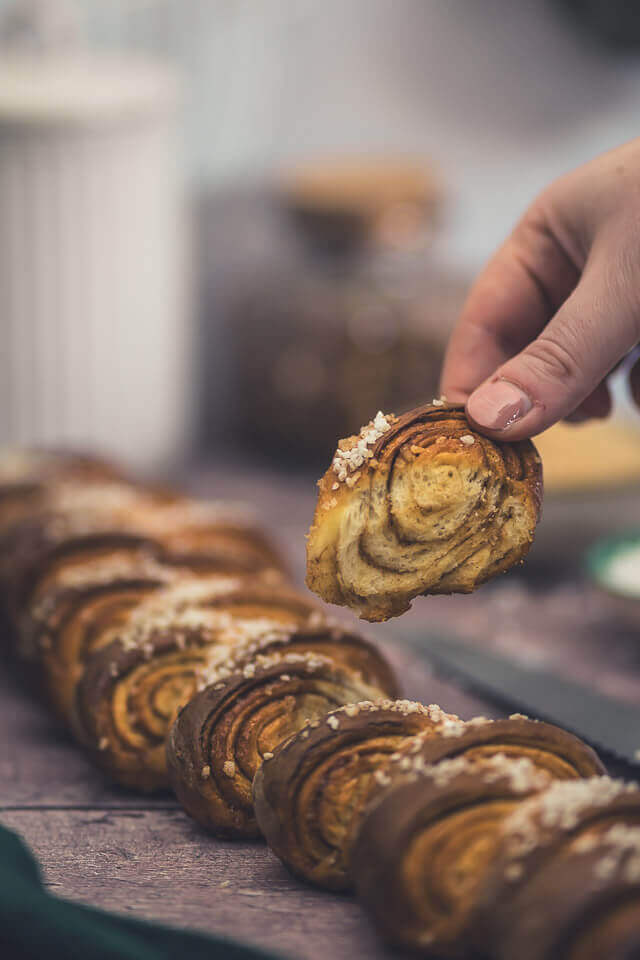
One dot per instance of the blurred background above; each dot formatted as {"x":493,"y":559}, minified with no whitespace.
{"x":231,"y":231}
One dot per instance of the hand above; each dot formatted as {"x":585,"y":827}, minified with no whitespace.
{"x":556,"y":308}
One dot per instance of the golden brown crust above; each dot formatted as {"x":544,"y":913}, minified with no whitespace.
{"x":420,"y":504}
{"x":134,"y":673}
{"x":221,"y":737}
{"x":559,"y":753}
{"x":83,"y":524}
{"x":426,"y":844}
{"x":565,"y":884}
{"x":309,"y":796}
{"x":27,"y":481}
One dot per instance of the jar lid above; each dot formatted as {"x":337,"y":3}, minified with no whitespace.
{"x":381,"y":200}
{"x":364,"y":185}
{"x":83,"y":88}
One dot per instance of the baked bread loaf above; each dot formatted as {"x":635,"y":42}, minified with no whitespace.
{"x":118,"y":525}
{"x":131,"y":606}
{"x":310,"y":794}
{"x":27,"y":481}
{"x":126,"y":600}
{"x":420,"y":504}
{"x":565,"y":884}
{"x":125,"y":688}
{"x":424,"y":848}
{"x":310,"y":798}
{"x":27,"y":478}
{"x":222,"y":736}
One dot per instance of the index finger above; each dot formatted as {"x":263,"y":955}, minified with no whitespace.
{"x":514,"y":297}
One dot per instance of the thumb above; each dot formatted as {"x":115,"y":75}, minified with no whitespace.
{"x":595,"y":327}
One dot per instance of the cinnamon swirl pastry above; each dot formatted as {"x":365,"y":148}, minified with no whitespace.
{"x":425,"y":846}
{"x":110,"y":599}
{"x":222,"y":736}
{"x":83,"y":524}
{"x":562,"y":755}
{"x":420,"y":504}
{"x":28,"y":476}
{"x":27,"y":482}
{"x":566,"y":882}
{"x":309,"y":795}
{"x":130,"y":678}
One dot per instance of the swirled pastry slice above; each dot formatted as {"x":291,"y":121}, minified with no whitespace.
{"x":424,"y":847}
{"x":565,"y":884}
{"x":81,"y":524}
{"x":308,"y":796}
{"x":420,"y":504}
{"x":343,"y":647}
{"x":549,"y":748}
{"x":130,"y":688}
{"x":222,"y":736}
{"x":28,"y":477}
{"x":110,"y":598}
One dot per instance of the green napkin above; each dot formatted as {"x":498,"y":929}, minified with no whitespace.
{"x":34,"y":925}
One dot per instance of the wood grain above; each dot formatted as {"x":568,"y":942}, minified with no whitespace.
{"x":158,"y":865}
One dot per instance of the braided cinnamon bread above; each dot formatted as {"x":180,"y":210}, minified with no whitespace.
{"x":221,"y":737}
{"x":28,"y":476}
{"x":120,"y":524}
{"x":308,"y":797}
{"x":311,"y":797}
{"x":133,"y":676}
{"x":27,"y":480}
{"x":425,"y":846}
{"x":131,"y":606}
{"x":420,"y":504}
{"x":566,"y":882}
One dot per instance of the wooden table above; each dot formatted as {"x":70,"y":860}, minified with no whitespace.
{"x":144,"y":857}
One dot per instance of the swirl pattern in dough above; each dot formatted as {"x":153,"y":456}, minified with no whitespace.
{"x":552,"y":749}
{"x":223,"y":735}
{"x":426,"y":844}
{"x":309,"y":796}
{"x":131,"y":677}
{"x":565,"y":884}
{"x":420,"y":504}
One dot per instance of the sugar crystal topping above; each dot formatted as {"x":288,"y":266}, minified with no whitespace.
{"x":406,"y":707}
{"x":229,"y":667}
{"x":251,"y":636}
{"x":560,"y":807}
{"x":355,"y":451}
{"x":237,"y":647}
{"x":103,"y":570}
{"x":519,"y":772}
{"x":97,"y":498}
{"x":620,"y":846}
{"x":177,"y":607}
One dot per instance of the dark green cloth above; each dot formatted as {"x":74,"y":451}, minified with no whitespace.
{"x":34,"y":925}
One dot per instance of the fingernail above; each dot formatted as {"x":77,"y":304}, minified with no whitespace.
{"x":497,"y":405}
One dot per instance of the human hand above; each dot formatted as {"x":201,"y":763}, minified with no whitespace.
{"x":556,"y":308}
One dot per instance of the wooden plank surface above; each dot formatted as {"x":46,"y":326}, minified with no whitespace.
{"x":158,"y":865}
